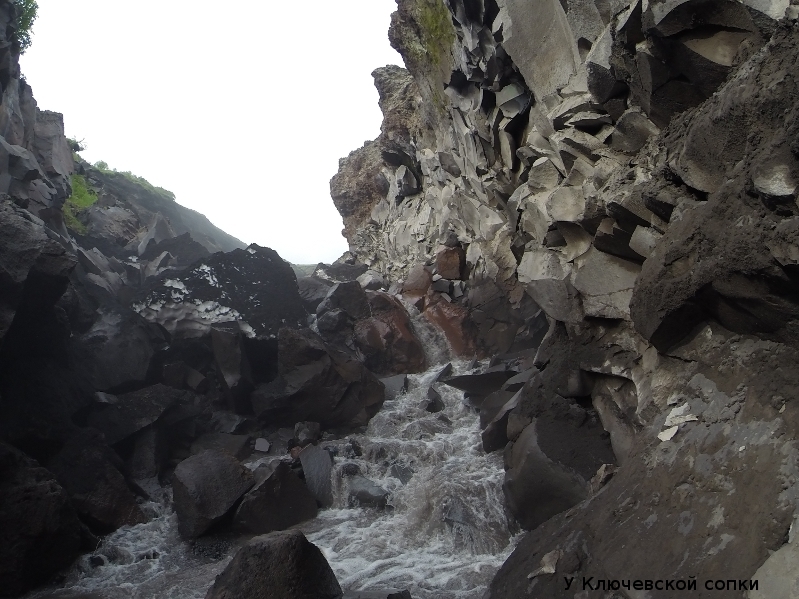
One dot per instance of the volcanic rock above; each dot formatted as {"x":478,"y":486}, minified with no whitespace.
{"x":317,"y":467}
{"x":280,"y":564}
{"x":281,"y":500}
{"x":88,"y":470}
{"x":40,"y":527}
{"x":205,"y":487}
{"x":317,"y":384}
{"x":254,"y":287}
{"x":133,"y":411}
{"x":364,"y":492}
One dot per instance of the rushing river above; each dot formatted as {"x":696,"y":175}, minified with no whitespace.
{"x":444,"y":534}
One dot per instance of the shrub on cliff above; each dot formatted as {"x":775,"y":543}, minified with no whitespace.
{"x":27,"y":15}
{"x":82,"y":197}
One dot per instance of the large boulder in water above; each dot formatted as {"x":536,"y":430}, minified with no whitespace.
{"x":279,"y":501}
{"x":386,"y":337}
{"x":280,"y":564}
{"x":41,"y":531}
{"x":205,"y":487}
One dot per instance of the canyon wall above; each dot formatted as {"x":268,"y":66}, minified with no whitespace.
{"x":615,"y":184}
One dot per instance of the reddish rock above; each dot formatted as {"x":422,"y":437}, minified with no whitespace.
{"x":456,"y":325}
{"x":415,"y":286}
{"x":386,"y":338}
{"x":450,"y":263}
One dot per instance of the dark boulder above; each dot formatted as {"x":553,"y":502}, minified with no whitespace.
{"x":205,"y":487}
{"x":34,"y":270}
{"x":41,"y":531}
{"x":312,"y":291}
{"x":395,"y":385}
{"x":434,"y":403}
{"x":254,"y":287}
{"x":349,"y":297}
{"x":279,"y":501}
{"x":307,"y":432}
{"x":280,"y":564}
{"x":117,"y":350}
{"x":317,"y":384}
{"x":549,"y":466}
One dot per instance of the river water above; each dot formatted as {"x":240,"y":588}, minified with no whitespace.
{"x":444,"y":534}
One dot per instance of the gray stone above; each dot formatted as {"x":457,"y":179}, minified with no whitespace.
{"x":606,"y":284}
{"x":307,"y":432}
{"x":364,"y":492}
{"x":632,"y":131}
{"x":407,"y":184}
{"x":543,"y":48}
{"x":371,"y":280}
{"x":317,"y":466}
{"x":395,"y":385}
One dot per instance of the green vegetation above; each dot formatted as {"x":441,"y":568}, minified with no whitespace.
{"x":437,"y":32}
{"x":24,"y":24}
{"x":103,"y":167}
{"x":75,"y":144}
{"x":82,"y":197}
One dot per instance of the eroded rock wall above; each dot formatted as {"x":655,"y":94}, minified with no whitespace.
{"x":626,"y":171}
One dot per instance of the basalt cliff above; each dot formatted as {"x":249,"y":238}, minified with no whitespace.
{"x":610,"y":189}
{"x":594,"y":202}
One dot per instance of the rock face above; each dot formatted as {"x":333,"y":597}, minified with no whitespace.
{"x":606,"y":195}
{"x":280,"y":564}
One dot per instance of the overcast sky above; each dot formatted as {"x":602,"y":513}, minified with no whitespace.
{"x":241,"y":109}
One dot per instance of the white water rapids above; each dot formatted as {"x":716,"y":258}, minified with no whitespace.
{"x":444,"y":535}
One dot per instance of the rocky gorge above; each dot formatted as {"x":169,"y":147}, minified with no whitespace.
{"x":558,"y":360}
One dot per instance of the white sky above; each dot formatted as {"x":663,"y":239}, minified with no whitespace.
{"x":242,"y":112}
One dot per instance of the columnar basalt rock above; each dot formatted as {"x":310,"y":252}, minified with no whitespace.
{"x":622,"y":179}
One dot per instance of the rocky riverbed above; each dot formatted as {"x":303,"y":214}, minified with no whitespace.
{"x":588,"y":207}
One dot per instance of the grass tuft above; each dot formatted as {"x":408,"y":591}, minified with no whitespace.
{"x":82,"y":197}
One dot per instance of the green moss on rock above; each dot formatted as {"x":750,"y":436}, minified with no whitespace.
{"x":82,"y":197}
